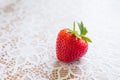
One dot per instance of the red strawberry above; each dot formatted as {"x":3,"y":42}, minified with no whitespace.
{"x":70,"y":45}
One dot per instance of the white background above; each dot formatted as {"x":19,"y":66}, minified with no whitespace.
{"x":101,"y":17}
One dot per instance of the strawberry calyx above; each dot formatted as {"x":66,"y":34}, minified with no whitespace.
{"x":83,"y":31}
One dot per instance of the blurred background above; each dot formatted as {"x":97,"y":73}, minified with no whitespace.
{"x":28,"y":31}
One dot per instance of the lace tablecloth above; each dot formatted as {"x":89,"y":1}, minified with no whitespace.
{"x":28,"y":31}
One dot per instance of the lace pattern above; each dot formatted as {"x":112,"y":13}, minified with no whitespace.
{"x":27,"y":48}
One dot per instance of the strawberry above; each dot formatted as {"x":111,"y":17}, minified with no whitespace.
{"x":70,"y":45}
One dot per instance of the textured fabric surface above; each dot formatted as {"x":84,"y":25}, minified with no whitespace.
{"x":28,"y":31}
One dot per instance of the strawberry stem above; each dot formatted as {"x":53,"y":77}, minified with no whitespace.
{"x":83,"y":31}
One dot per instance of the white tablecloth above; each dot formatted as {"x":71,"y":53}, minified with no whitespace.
{"x":28,"y":31}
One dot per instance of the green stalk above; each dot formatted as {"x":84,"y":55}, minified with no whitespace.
{"x":83,"y":31}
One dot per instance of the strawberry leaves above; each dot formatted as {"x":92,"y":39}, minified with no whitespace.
{"x":83,"y":32}
{"x":86,"y":39}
